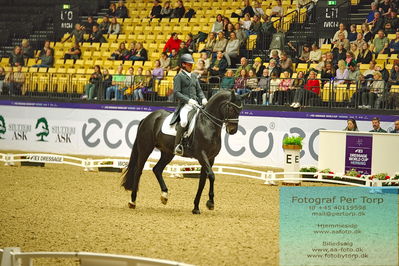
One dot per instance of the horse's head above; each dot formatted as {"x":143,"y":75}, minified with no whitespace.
{"x":231,"y":111}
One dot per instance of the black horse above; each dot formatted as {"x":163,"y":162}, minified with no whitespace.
{"x":205,"y":143}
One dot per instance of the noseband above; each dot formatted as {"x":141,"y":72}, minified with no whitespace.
{"x":228,"y":106}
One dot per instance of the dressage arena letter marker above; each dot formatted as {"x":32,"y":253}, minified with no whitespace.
{"x":338,"y":226}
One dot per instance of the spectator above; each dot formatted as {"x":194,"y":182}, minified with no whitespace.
{"x":310,"y":90}
{"x":165,"y":61}
{"x":377,"y":23}
{"x":396,"y":127}
{"x":158,"y":71}
{"x":373,"y":98}
{"x":183,"y":50}
{"x":241,"y":34}
{"x":258,"y":10}
{"x":227,"y":82}
{"x":96,"y":36}
{"x":16,"y":81}
{"x":121,"y":10}
{"x":155,"y":10}
{"x":166,"y":10}
{"x":275,"y":56}
{"x":315,"y":54}
{"x":128,"y":85}
{"x":218,"y":66}
{"x":365,"y":55}
{"x":226,"y":21}
{"x":114,"y":27}
{"x":385,"y":7}
{"x":352,"y":35}
{"x":247,"y":9}
{"x":374,"y":8}
{"x":240,"y":82}
{"x":77,"y":34}
{"x":172,"y":43}
{"x":394,"y":75}
{"x":47,"y":60}
{"x":388,"y":28}
{"x":305,"y":55}
{"x":206,"y":59}
{"x":339,"y":31}
{"x":2,"y":78}
{"x":258,"y":66}
{"x":118,"y":80}
{"x":350,"y":58}
{"x":44,"y":50}
{"x":298,"y":83}
{"x":256,"y":26}
{"x":274,"y":84}
{"x":141,"y":53}
{"x":179,"y":11}
{"x":286,"y":63}
{"x":244,"y":65}
{"x":74,"y":52}
{"x":359,"y":40}
{"x":322,"y":63}
{"x":367,"y":35}
{"x":121,"y":53}
{"x":354,"y":50}
{"x":88,"y":25}
{"x":16,"y":57}
{"x":174,"y":61}
{"x":27,"y":50}
{"x":342,"y":73}
{"x":328,"y":72}
{"x":351,"y":125}
{"x":230,"y":29}
{"x":394,"y":45}
{"x":375,"y":122}
{"x":218,"y":24}
{"x":263,"y":85}
{"x":210,"y":43}
{"x":277,"y":11}
{"x":369,"y":73}
{"x":111,"y":12}
{"x":273,"y":68}
{"x":342,"y":40}
{"x":353,"y":73}
{"x":282,"y":95}
{"x":380,"y":43}
{"x":190,"y":43}
{"x":139,"y":85}
{"x":106,"y":83}
{"x":246,"y":23}
{"x":91,"y":89}
{"x":201,"y":71}
{"x":131,"y":52}
{"x":232,"y":49}
{"x":104,"y":25}
{"x":220,"y":43}
{"x":393,"y":19}
{"x":339,"y":53}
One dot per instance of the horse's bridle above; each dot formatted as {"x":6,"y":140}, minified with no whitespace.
{"x":219,"y":122}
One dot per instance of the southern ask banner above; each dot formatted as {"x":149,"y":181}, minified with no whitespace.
{"x":110,"y":130}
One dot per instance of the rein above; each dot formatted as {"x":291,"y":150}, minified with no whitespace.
{"x":219,"y":122}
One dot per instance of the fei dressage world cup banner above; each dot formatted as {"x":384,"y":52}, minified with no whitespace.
{"x":110,"y":130}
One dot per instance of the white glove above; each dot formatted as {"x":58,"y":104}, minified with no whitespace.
{"x":193,"y":103}
{"x":204,"y":101}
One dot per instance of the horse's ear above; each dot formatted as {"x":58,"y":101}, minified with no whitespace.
{"x":245,"y":95}
{"x":233,"y":96}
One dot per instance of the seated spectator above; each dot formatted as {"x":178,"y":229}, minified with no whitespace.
{"x":74,"y":52}
{"x":256,"y":26}
{"x":354,"y":50}
{"x":359,"y":40}
{"x":282,"y":95}
{"x":230,"y":29}
{"x":373,"y":98}
{"x":206,"y":59}
{"x":104,"y":25}
{"x":261,"y":93}
{"x":114,"y":27}
{"x":274,"y":54}
{"x":342,"y":73}
{"x":27,"y":50}
{"x":240,"y":82}
{"x":352,"y":35}
{"x":351,"y":125}
{"x":258,"y":10}
{"x":247,"y":9}
{"x":118,"y":81}
{"x":369,"y":73}
{"x":43,"y":51}
{"x":220,"y":43}
{"x":16,"y":57}
{"x":201,"y":71}
{"x":339,"y":53}
{"x":244,"y":65}
{"x":328,"y":72}
{"x":305,"y":54}
{"x":377,"y":23}
{"x":141,"y":53}
{"x":16,"y":81}
{"x":241,"y":34}
{"x":394,"y":45}
{"x":273,"y":68}
{"x":393,"y":19}
{"x":226,"y":22}
{"x":258,"y":66}
{"x":106,"y":83}
{"x":96,"y":36}
{"x":218,"y":66}
{"x":353,"y":73}
{"x":252,"y":80}
{"x":155,"y":10}
{"x":377,"y":125}
{"x":298,"y":83}
{"x":388,"y":28}
{"x":88,"y":25}
{"x":91,"y":89}
{"x":121,"y":10}
{"x":286,"y":63}
{"x":166,"y":10}
{"x":191,"y":43}
{"x":341,"y":30}
{"x":385,"y":7}
{"x":218,"y":24}
{"x":172,"y":43}
{"x":128,"y":86}
{"x":322,"y":63}
{"x":350,"y":58}
{"x":246,"y":23}
{"x":174,"y":61}
{"x":394,"y":75}
{"x":365,"y":55}
{"x":380,"y":43}
{"x":165,"y":61}
{"x":2,"y":78}
{"x":274,"y":84}
{"x":210,"y":43}
{"x":131,"y":52}
{"x":157,"y":72}
{"x":227,"y":82}
{"x":179,"y":11}
{"x":182,"y":50}
{"x":111,"y":12}
{"x":277,"y":11}
{"x":232,"y":49}
{"x":367,"y":35}
{"x":77,"y":33}
{"x":47,"y":60}
{"x":329,"y":57}
{"x":121,"y":53}
{"x":310,"y":90}
{"x":139,"y":85}
{"x":315,"y":54}
{"x":370,"y":15}
{"x":342,"y":40}
{"x":396,"y":127}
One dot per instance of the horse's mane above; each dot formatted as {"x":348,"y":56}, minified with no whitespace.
{"x":218,"y":97}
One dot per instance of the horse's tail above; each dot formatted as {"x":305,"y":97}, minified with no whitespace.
{"x":129,"y":181}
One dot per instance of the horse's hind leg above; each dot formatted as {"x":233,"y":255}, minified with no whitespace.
{"x":158,"y":169}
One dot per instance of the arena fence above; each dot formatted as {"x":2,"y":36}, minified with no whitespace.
{"x":14,"y":257}
{"x":175,"y":170}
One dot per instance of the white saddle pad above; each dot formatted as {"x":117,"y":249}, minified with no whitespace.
{"x":168,"y":129}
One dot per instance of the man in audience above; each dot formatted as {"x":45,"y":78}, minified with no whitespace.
{"x":16,"y":57}
{"x":380,"y":43}
{"x":396,"y":127}
{"x":77,"y":33}
{"x":393,"y":19}
{"x":15,"y":81}
{"x":43,"y":51}
{"x":174,"y":61}
{"x":47,"y":60}
{"x":104,"y":25}
{"x":353,"y":73}
{"x":218,"y":66}
{"x":121,"y":10}
{"x":118,"y":80}
{"x":244,"y":65}
{"x":88,"y":25}
{"x":376,"y":126}
{"x":172,"y":43}
{"x":96,"y":36}
{"x":370,"y":16}
{"x":286,"y":63}
{"x":342,"y":40}
{"x":156,"y":10}
{"x":74,"y":52}
{"x":377,"y":23}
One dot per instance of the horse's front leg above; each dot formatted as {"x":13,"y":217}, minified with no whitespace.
{"x":206,"y":170}
{"x":210,"y":204}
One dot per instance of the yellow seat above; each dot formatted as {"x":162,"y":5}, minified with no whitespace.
{"x":326,"y":92}
{"x":340,"y":92}
{"x":394,"y":89}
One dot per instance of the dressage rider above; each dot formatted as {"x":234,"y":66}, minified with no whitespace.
{"x":188,"y":92}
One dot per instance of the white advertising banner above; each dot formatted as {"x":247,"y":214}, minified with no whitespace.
{"x":110,"y":130}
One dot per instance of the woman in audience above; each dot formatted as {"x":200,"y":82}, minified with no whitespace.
{"x":258,"y":66}
{"x":367,"y":35}
{"x":328,"y":72}
{"x":114,"y":27}
{"x":342,"y":73}
{"x":282,"y":96}
{"x":246,"y":23}
{"x":230,"y":29}
{"x":139,"y":85}
{"x":111,"y":10}
{"x":166,"y":10}
{"x":158,"y":71}
{"x":373,"y":98}
{"x":394,"y":45}
{"x":204,"y":57}
{"x":91,"y":89}
{"x":240,"y":83}
{"x":274,"y":83}
{"x":121,"y":53}
{"x":304,"y":58}
{"x":218,"y":24}
{"x":27,"y":50}
{"x":232,"y":48}
{"x":394,"y":75}
{"x":107,"y":81}
{"x":47,"y":60}
{"x":220,"y":44}
{"x":16,"y":57}
{"x":352,"y":35}
{"x":227,"y":82}
{"x":350,"y":58}
{"x":132,"y":50}
{"x":351,"y":125}
{"x":141,"y":53}
{"x":339,"y":53}
{"x":201,"y":71}
{"x":210,"y":43}
{"x":179,"y":11}
{"x":165,"y":61}
{"x":354,"y":50}
{"x":226,"y":22}
{"x":297,"y":84}
{"x":309,"y":91}
{"x":156,"y":10}
{"x":261,"y":92}
{"x":341,"y":29}
{"x":359,"y":40}
{"x":241,"y":34}
{"x":365,"y":55}
{"x":252,"y":84}
{"x":315,"y":54}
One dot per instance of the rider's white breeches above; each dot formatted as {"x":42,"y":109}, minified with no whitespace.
{"x":184,"y":114}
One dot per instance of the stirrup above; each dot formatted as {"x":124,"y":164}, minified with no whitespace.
{"x":179,"y":150}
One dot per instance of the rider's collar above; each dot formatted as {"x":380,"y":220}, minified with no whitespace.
{"x":186,"y":72}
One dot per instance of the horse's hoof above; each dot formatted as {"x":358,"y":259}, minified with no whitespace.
{"x":131,"y":205}
{"x":164,"y":198}
{"x":210,"y":205}
{"x":196,"y":211}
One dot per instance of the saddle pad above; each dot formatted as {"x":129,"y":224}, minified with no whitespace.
{"x":168,"y":129}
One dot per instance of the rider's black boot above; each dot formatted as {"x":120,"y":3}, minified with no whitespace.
{"x":179,"y":136}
